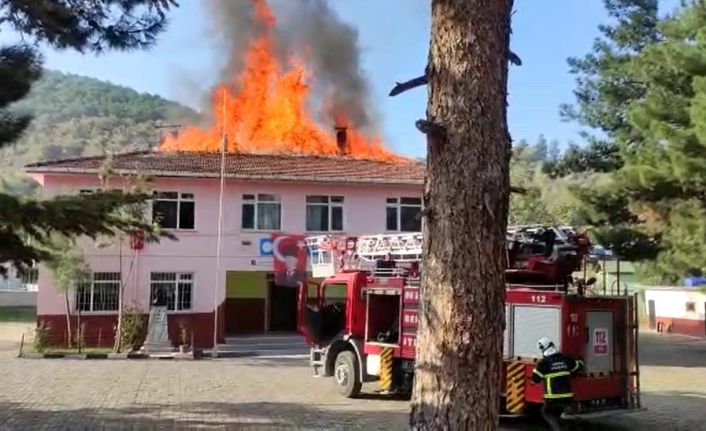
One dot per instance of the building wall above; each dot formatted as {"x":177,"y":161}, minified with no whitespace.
{"x":18,"y":299}
{"x":195,"y":251}
{"x":671,"y":313}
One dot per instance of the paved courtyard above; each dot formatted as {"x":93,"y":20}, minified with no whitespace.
{"x":260,"y":394}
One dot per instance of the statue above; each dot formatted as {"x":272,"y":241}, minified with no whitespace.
{"x":159,"y":299}
{"x":157,"y":341}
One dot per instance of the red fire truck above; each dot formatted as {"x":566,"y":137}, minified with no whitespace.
{"x":369,"y":333}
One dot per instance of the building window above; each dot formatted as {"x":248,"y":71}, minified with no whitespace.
{"x":99,"y":294}
{"x":324,"y":213}
{"x":177,"y":288}
{"x":404,"y":214}
{"x":261,"y":212}
{"x":173,"y":210}
{"x":690,"y":306}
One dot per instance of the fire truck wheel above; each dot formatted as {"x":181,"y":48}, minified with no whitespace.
{"x":346,"y":374}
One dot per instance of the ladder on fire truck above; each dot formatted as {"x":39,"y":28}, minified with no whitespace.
{"x":330,"y":254}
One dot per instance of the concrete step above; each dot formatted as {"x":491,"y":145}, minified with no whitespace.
{"x":269,"y":345}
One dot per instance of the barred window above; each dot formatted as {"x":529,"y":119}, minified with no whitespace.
{"x":177,"y":288}
{"x":100,"y":293}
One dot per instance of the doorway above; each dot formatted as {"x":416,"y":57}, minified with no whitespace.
{"x":283,"y":307}
{"x":651,"y":315}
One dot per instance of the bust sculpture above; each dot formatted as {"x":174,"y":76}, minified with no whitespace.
{"x":160,"y":299}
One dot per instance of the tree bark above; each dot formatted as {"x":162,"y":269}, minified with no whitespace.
{"x":117,"y":345}
{"x":459,"y":346}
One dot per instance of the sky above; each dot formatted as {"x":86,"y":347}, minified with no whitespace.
{"x":394,"y":39}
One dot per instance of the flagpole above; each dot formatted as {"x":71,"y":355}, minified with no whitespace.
{"x":220,"y":231}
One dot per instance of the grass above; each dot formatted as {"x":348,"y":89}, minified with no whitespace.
{"x":29,"y":348}
{"x":18,"y":314}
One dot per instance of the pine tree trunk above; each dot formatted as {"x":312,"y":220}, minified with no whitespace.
{"x":67,"y":306}
{"x":459,"y":346}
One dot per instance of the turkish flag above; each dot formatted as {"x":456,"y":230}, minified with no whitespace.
{"x":290,"y":259}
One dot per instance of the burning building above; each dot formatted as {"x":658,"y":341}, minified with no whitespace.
{"x":267,"y":106}
{"x":285,"y":176}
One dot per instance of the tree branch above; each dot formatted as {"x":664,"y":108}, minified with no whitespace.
{"x":401,"y":87}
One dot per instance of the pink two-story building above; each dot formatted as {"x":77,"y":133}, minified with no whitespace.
{"x":263,"y":195}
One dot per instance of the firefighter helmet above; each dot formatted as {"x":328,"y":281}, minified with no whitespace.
{"x":546,"y":346}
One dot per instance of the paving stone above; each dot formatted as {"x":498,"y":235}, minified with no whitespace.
{"x":274,"y":394}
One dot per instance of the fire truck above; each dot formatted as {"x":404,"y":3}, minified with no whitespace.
{"x":369,"y":333}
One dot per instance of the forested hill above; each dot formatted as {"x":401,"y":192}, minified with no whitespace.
{"x":76,"y":115}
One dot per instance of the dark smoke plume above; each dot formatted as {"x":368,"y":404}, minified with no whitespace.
{"x":308,"y":29}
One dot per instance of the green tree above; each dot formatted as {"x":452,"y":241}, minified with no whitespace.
{"x":63,"y":24}
{"x":652,"y":207}
{"x":606,"y":86}
{"x":544,"y":199}
{"x":69,"y":269}
{"x":131,"y":214}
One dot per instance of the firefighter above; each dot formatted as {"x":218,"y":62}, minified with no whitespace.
{"x":555,"y":369}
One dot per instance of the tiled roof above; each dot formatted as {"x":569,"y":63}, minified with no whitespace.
{"x":275,"y":167}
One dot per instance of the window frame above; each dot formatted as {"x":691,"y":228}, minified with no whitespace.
{"x":255,"y":202}
{"x":175,"y":284}
{"x":329,"y":205}
{"x":92,"y":283}
{"x":398,"y":205}
{"x":179,"y":199}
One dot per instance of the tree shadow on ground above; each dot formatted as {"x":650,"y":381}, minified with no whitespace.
{"x":206,"y":415}
{"x":673,"y":411}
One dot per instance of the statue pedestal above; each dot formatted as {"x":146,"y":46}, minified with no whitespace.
{"x":157,"y":334}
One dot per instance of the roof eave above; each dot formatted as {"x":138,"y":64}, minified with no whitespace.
{"x":176,"y":174}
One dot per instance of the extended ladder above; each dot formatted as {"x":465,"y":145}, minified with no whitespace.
{"x":330,"y":254}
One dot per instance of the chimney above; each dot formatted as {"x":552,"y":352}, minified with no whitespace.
{"x":168,"y":131}
{"x":341,"y":140}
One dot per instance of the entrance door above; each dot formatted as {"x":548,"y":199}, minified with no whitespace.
{"x":651,"y":314}
{"x":283,"y":307}
{"x":599,"y":342}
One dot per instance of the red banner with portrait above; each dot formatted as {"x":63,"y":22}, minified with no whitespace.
{"x":290,"y":254}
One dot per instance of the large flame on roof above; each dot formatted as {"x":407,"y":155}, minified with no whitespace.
{"x":264,"y":110}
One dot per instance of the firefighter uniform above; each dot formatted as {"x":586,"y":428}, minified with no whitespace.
{"x":555,"y":369}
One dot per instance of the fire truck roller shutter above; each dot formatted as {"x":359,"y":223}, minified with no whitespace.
{"x":531,"y":323}
{"x":506,"y":332}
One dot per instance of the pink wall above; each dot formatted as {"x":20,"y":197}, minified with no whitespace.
{"x":363,"y":213}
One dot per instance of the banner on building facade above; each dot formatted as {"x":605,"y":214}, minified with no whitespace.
{"x":289,"y":259}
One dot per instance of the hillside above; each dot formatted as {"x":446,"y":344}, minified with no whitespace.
{"x":77,"y":116}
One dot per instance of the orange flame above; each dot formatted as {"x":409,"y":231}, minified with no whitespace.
{"x":264,"y":110}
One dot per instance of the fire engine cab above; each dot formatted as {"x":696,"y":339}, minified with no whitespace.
{"x":370,"y":334}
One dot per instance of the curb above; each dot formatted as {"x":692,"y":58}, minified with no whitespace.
{"x":107,"y":356}
{"x":255,"y":354}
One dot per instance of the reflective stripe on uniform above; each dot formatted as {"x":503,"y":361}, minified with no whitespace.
{"x":538,"y":373}
{"x":548,"y":385}
{"x":577,"y":365}
{"x":557,"y":396}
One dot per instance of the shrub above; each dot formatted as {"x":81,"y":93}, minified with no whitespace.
{"x":133,"y":328}
{"x":41,"y":336}
{"x":183,"y":335}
